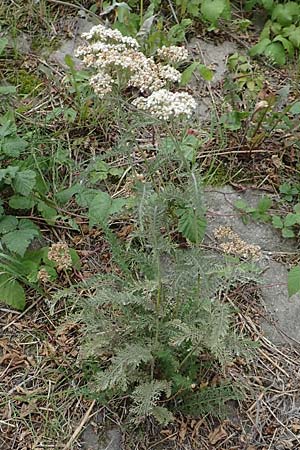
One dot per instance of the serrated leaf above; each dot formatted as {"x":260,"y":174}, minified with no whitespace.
{"x":11,"y":292}
{"x":290,"y":220}
{"x":13,"y":146}
{"x":48,"y":212}
{"x":188,"y":73}
{"x":295,"y":108}
{"x":102,"y":206}
{"x":205,"y":72}
{"x":287,"y":233}
{"x":24,"y":181}
{"x":267,"y":4}
{"x":7,"y":224}
{"x":3,"y":44}
{"x":286,"y":44}
{"x":276,"y":53}
{"x":284,"y":13}
{"x":5,"y":90}
{"x":213,"y":9}
{"x":277,"y":222}
{"x":191,"y":226}
{"x":294,"y":281}
{"x":260,"y":47}
{"x":17,"y":241}
{"x":20,"y":202}
{"x":294,"y":37}
{"x":65,"y":195}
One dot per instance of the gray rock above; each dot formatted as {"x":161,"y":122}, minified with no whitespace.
{"x":282,"y":309}
{"x":110,"y":439}
{"x":69,"y":46}
{"x":282,"y":312}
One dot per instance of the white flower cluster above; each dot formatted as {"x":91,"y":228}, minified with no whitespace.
{"x":172,"y":54}
{"x":165,"y":105}
{"x":101,"y":33}
{"x":118,"y":61}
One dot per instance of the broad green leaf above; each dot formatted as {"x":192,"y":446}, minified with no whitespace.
{"x":85,"y":197}
{"x":20,"y":202}
{"x":260,"y":47}
{"x":290,"y":220}
{"x":3,"y":44}
{"x":48,"y":212}
{"x":11,"y":292}
{"x":205,"y":72}
{"x":5,"y":90}
{"x":294,"y":37}
{"x":295,"y":108}
{"x":24,"y":181}
{"x":264,"y":204}
{"x":276,"y":53}
{"x":294,"y":281}
{"x":64,"y":196}
{"x":286,"y":44}
{"x":277,"y":222}
{"x":191,"y":225}
{"x":19,"y":240}
{"x":13,"y":146}
{"x":7,"y":224}
{"x":284,"y":13}
{"x":267,"y":4}
{"x":102,"y":206}
{"x":213,"y":9}
{"x":287,"y":233}
{"x":188,"y":73}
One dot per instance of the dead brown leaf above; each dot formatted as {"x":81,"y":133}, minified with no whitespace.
{"x":217,"y":435}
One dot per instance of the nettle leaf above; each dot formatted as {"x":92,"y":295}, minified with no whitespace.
{"x":7,"y":224}
{"x":276,"y":53}
{"x":8,"y":89}
{"x":13,"y":146}
{"x":212,"y":9}
{"x":277,"y":222}
{"x":48,"y":212}
{"x":191,"y":225}
{"x":3,"y":44}
{"x":205,"y":72}
{"x":17,"y":241}
{"x":295,"y":108}
{"x":24,"y":181}
{"x":286,"y":44}
{"x":284,"y":14}
{"x":294,"y":37}
{"x":188,"y":73}
{"x":102,"y":206}
{"x":294,"y":281}
{"x":260,"y":47}
{"x":11,"y":291}
{"x":287,"y":233}
{"x":20,"y":202}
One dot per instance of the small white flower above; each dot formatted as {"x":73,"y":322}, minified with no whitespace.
{"x":166,"y":105}
{"x":172,"y":54}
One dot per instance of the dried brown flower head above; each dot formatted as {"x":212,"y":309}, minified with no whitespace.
{"x":234,"y":245}
{"x":60,"y":254}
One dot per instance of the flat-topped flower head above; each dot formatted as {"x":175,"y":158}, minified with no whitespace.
{"x":172,"y":54}
{"x":167,"y":105}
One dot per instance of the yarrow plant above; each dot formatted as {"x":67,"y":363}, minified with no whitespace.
{"x":119,"y":63}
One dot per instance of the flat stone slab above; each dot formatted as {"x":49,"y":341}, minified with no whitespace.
{"x":69,"y":46}
{"x":282,"y":312}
